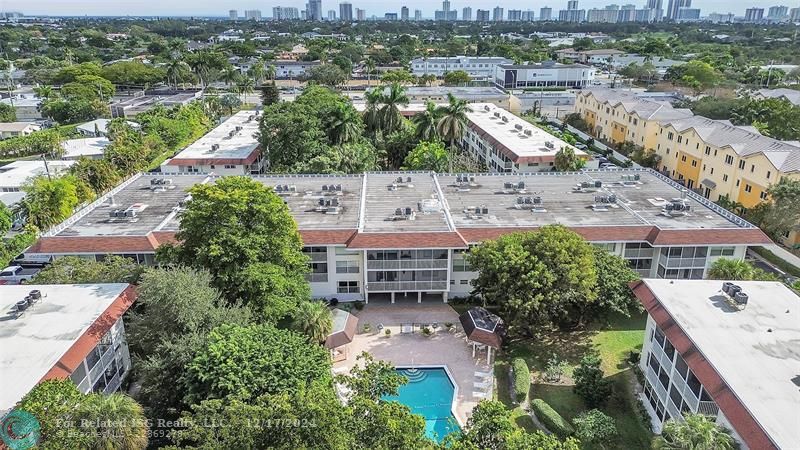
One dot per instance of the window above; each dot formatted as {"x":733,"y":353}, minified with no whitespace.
{"x":729,"y":160}
{"x":694,"y":384}
{"x":670,"y":135}
{"x":345,"y":251}
{"x":230,"y":166}
{"x":748,"y":188}
{"x":752,"y":168}
{"x":724,"y":178}
{"x":683,"y":158}
{"x":722,"y":251}
{"x":762,"y":195}
{"x":694,"y":163}
{"x":680,"y":139}
{"x":768,"y":174}
{"x":347,"y":267}
{"x":347,"y":287}
{"x":681,"y":367}
{"x":708,"y":150}
{"x":464,"y":282}
{"x":741,"y":164}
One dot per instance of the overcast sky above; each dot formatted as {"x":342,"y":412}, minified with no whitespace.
{"x":377,"y":7}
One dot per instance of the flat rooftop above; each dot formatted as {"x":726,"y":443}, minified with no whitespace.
{"x":457,"y":91}
{"x":15,"y":174}
{"x":75,"y":148}
{"x":638,"y":202}
{"x":516,"y":135}
{"x":232,"y":139}
{"x":31,"y":344}
{"x":756,"y":350}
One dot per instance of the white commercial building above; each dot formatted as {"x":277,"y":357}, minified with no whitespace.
{"x":546,"y":74}
{"x":63,"y":331}
{"x":403,"y":235}
{"x":99,"y":127}
{"x":289,"y":69}
{"x":229,"y":149}
{"x":478,"y":67}
{"x":728,"y":351}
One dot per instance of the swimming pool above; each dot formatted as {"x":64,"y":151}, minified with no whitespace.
{"x":429,"y":393}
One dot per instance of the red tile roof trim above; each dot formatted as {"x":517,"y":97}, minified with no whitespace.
{"x":736,"y":412}
{"x":89,"y":339}
{"x":326,"y":237}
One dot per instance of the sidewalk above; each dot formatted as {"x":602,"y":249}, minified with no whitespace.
{"x":784,"y":254}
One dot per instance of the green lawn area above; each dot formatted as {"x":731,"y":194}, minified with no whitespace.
{"x":614,"y":343}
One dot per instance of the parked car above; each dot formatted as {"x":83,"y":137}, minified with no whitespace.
{"x":608,"y":165}
{"x":17,"y":274}
{"x":581,"y":146}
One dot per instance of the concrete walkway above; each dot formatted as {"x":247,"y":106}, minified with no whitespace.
{"x":784,"y":254}
{"x":443,"y":348}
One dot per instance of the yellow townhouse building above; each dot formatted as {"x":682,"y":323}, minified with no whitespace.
{"x":712,"y":157}
{"x":618,"y":116}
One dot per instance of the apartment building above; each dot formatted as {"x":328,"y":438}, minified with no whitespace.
{"x":229,"y":149}
{"x":545,"y":74}
{"x":725,"y":351}
{"x":617,"y":116}
{"x":507,"y":143}
{"x":290,"y":69}
{"x":403,"y":235}
{"x":478,"y":67}
{"x":712,"y":157}
{"x":63,"y":331}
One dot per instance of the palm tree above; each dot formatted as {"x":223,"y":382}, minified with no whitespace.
{"x":390,"y":115}
{"x":177,"y":70}
{"x":176,"y":48}
{"x":200,"y":64}
{"x":453,"y":121}
{"x":730,"y":269}
{"x":426,"y":122}
{"x":229,"y":75}
{"x":129,"y":429}
{"x":256,"y":72}
{"x":269,"y":72}
{"x":44,"y":91}
{"x":313,"y":319}
{"x":372,"y":114}
{"x":697,"y":432}
{"x":369,"y":66}
{"x":344,"y":126}
{"x":243,"y":87}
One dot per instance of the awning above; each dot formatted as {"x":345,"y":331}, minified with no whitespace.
{"x":483,"y":327}
{"x":709,"y":183}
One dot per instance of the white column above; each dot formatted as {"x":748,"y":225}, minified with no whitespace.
{"x":444,"y":296}
{"x":366,"y":297}
{"x":392,"y":294}
{"x":419,"y":297}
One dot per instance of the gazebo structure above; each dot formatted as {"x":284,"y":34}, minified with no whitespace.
{"x":483,"y":329}
{"x":344,"y":328}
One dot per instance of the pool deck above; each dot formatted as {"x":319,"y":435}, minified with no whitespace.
{"x":443,"y":348}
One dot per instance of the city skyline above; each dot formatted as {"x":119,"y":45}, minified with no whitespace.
{"x":207,"y":8}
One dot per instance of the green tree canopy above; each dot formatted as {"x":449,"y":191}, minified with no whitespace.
{"x":428,"y":156}
{"x":457,"y":77}
{"x":48,"y":202}
{"x":595,"y":427}
{"x":244,"y":362}
{"x":567,"y":161}
{"x":132,"y":73}
{"x":590,"y":383}
{"x":314,"y":320}
{"x":235,"y":223}
{"x":77,"y":270}
{"x":7,"y":113}
{"x":327,"y":74}
{"x":537,"y":277}
{"x":695,"y":432}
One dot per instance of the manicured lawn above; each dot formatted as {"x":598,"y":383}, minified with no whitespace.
{"x":614,"y":343}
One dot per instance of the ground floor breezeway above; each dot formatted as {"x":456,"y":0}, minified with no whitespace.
{"x":382,"y":298}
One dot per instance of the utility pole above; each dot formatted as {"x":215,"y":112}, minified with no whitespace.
{"x":46,"y":168}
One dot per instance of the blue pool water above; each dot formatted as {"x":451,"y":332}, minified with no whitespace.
{"x":429,"y":393}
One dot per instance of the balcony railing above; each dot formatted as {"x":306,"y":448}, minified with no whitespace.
{"x":671,"y":263}
{"x":708,"y":409}
{"x":388,"y":286}
{"x":317,"y":277}
{"x":409,"y":264}
{"x":318,"y":257}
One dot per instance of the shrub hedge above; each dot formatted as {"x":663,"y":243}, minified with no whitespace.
{"x":551,"y":419}
{"x":522,"y":379}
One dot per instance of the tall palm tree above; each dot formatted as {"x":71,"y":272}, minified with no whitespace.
{"x":369,"y":66}
{"x":453,"y":121}
{"x":697,"y":432}
{"x":177,"y":70}
{"x":256,"y":72}
{"x":129,"y":430}
{"x":426,"y":122}
{"x":229,"y":75}
{"x":390,"y":116}
{"x":243,"y":87}
{"x":372,"y":113}
{"x":200,"y":63}
{"x":269,"y":72}
{"x":313,"y":319}
{"x":345,"y":125}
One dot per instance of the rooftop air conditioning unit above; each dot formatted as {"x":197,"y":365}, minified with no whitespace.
{"x":214,"y":147}
{"x":549,"y":144}
{"x":505,"y":119}
{"x":518,"y":126}
{"x":238,"y":128}
{"x":528,"y":132}
{"x":497,"y":113}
